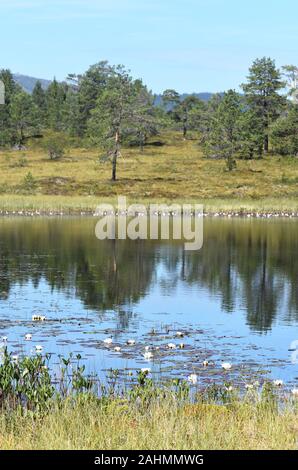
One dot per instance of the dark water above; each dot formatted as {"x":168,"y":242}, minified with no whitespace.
{"x":236,"y":299}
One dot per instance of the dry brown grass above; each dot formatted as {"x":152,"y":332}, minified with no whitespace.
{"x":163,"y":426}
{"x":175,"y":170}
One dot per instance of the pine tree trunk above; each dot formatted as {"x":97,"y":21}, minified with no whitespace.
{"x":266,"y":144}
{"x":115,"y":156}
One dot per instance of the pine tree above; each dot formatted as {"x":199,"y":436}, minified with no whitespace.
{"x":261,"y":92}
{"x":222,"y":139}
{"x":6,"y":130}
{"x":39,"y":99}
{"x":55,"y":100}
{"x":113,"y":117}
{"x":24,"y":117}
{"x":284,"y":133}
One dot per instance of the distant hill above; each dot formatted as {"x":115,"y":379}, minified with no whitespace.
{"x":28,"y":83}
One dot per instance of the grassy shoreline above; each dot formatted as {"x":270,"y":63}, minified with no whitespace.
{"x":86,"y":205}
{"x":120,"y":425}
{"x":72,"y":410}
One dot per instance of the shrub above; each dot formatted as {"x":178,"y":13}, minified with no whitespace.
{"x":30,"y":183}
{"x":55,"y":145}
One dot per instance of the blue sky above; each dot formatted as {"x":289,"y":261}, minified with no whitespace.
{"x":189,"y":45}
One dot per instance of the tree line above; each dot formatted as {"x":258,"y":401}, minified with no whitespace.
{"x":107,"y":108}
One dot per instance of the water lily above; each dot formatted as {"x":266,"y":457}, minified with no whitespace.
{"x":148,"y":355}
{"x":181,"y":346}
{"x":146,"y":370}
{"x":108,"y":341}
{"x":147,"y":348}
{"x":171,"y":346}
{"x":28,"y":337}
{"x":205,"y":363}
{"x":157,"y":348}
{"x":278,"y":383}
{"x":38,"y":318}
{"x":117,"y":349}
{"x":179,"y":334}
{"x":230,"y":388}
{"x":15,"y":358}
{"x":4,"y":339}
{"x":38,"y":348}
{"x":193,"y":378}
{"x":131,"y":342}
{"x":295,"y":392}
{"x":249,"y":386}
{"x":226,"y":365}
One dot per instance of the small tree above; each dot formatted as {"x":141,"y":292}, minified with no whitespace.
{"x":113,"y":114}
{"x":182,"y":113}
{"x":222,"y":139}
{"x":170,"y":99}
{"x":55,"y":144}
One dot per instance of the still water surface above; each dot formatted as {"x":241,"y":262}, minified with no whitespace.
{"x":236,"y":299}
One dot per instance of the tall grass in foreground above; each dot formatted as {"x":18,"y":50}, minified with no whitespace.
{"x":88,"y":423}
{"x":77,"y":412}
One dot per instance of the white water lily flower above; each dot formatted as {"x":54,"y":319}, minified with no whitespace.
{"x":28,"y":337}
{"x":205,"y":363}
{"x":131,"y":342}
{"x":4,"y":339}
{"x":193,"y":378}
{"x":38,"y":348}
{"x":108,"y":341}
{"x":181,"y":346}
{"x":117,"y":349}
{"x":295,"y":392}
{"x":146,"y":370}
{"x":148,"y":355}
{"x":157,"y":348}
{"x":38,"y":318}
{"x":179,"y":334}
{"x":171,"y":346}
{"x":278,"y":383}
{"x":229,"y":388}
{"x":226,"y":365}
{"x":15,"y":358}
{"x":147,"y":348}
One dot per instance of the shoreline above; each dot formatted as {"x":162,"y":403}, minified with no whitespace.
{"x":91,"y":213}
{"x":88,"y":206}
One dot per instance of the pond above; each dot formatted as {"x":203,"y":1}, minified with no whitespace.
{"x":235,"y":300}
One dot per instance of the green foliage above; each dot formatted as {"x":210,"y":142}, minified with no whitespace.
{"x":30,"y":183}
{"x":284,"y":133}
{"x":261,"y":92}
{"x":55,"y":144}
{"x":25,"y":383}
{"x":39,"y":99}
{"x":223,"y":132}
{"x":24,"y":117}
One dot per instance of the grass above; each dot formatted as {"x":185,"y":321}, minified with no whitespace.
{"x":175,"y":170}
{"x":76,"y":411}
{"x":120,"y":425}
